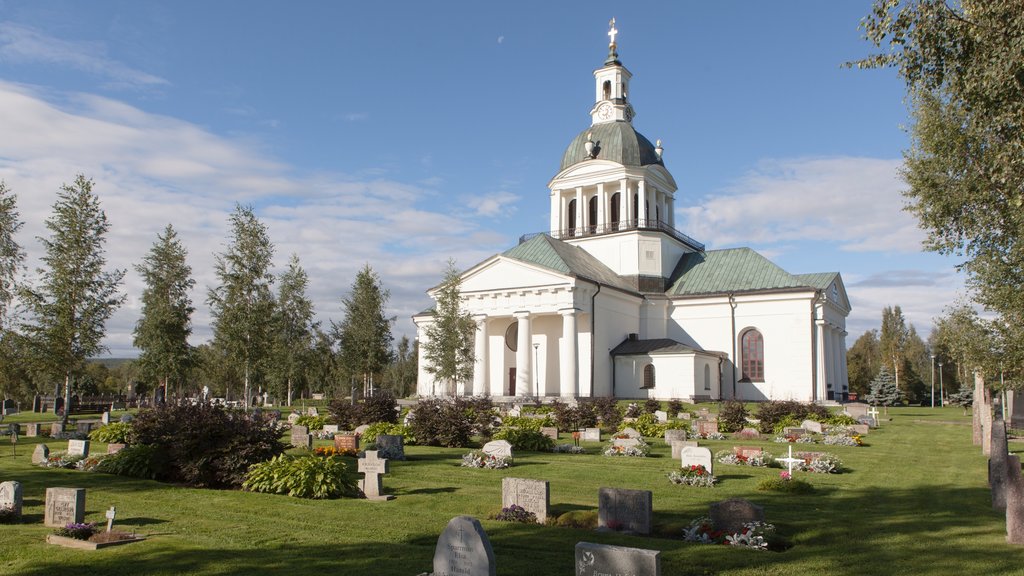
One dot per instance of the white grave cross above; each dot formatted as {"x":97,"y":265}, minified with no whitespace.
{"x":110,"y":517}
{"x":874,"y":414}
{"x":790,"y":461}
{"x":373,"y":468}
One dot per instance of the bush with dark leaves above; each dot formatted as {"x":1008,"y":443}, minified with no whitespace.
{"x":651,"y":406}
{"x":379,"y":408}
{"x":608,"y":411}
{"x":773,"y":412}
{"x":732,"y":416}
{"x":344,"y":413}
{"x":443,"y":422}
{"x":675,"y":407}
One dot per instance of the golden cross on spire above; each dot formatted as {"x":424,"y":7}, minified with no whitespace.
{"x":612,"y":31}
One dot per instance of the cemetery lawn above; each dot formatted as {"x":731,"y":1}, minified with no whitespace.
{"x":914,"y":500}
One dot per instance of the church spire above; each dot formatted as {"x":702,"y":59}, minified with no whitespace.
{"x":612,"y":86}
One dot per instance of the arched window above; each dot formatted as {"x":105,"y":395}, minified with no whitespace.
{"x":615,"y":211}
{"x":648,"y":376}
{"x":636,"y":209}
{"x":512,"y":336}
{"x":607,"y":90}
{"x":572,"y":218}
{"x":707,"y":377}
{"x":592,"y":215}
{"x":752,"y":355}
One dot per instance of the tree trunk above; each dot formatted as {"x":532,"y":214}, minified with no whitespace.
{"x":245,"y":388}
{"x":289,"y":391}
{"x":67,"y":401}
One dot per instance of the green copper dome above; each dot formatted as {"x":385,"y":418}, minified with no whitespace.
{"x":615,"y":141}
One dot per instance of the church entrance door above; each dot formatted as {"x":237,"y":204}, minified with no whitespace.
{"x":511,"y":381}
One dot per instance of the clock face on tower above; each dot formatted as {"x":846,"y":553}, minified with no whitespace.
{"x":604,"y":112}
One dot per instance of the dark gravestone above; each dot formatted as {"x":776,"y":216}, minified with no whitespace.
{"x":37,"y":403}
{"x":1014,"y":501}
{"x":624,"y":510}
{"x":391,"y":446}
{"x":605,"y":560}
{"x":463,"y":549}
{"x":998,"y":473}
{"x":58,"y":405}
{"x":730,"y":515}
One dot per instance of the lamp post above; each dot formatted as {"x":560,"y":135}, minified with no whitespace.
{"x":536,"y":369}
{"x":942,"y":397}
{"x":933,"y":380}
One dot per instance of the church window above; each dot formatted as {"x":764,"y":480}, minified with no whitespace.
{"x":512,"y":336}
{"x":636,"y":208}
{"x":607,"y":90}
{"x":648,"y":376}
{"x":752,"y":359}
{"x":592,"y":215}
{"x":707,"y":377}
{"x":615,"y":211}
{"x":572,"y":218}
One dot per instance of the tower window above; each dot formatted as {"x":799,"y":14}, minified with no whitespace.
{"x":707,"y":377}
{"x":572,"y":217}
{"x":752,"y":359}
{"x":648,"y":376}
{"x":592,"y":216}
{"x":607,"y":90}
{"x":615,"y":211}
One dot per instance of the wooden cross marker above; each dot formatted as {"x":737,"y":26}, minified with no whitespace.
{"x":110,"y":517}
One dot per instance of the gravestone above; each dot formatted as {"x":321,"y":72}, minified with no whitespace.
{"x":678,"y":445}
{"x":294,"y":417}
{"x":856,"y":410}
{"x":78,"y":448}
{"x":373,"y":468}
{"x":110,"y":515}
{"x":607,"y":560}
{"x":674,"y":435}
{"x":629,"y":433}
{"x":312,"y":411}
{"x":58,"y":405}
{"x":1014,"y":501}
{"x":31,"y":430}
{"x":10,"y":496}
{"x":811,"y":426}
{"x":625,"y":443}
{"x":516,"y":411}
{"x":703,"y":412}
{"x":747,"y":451}
{"x":661,"y":415}
{"x":550,"y":432}
{"x":125,"y":418}
{"x":37,"y":403}
{"x":793,"y":431}
{"x":330,"y":428}
{"x":391,"y":446}
{"x":362,"y":428}
{"x":998,"y":473}
{"x":408,"y":418}
{"x":869,"y":421}
{"x":860,"y":429}
{"x":592,"y":434}
{"x":749,"y":433}
{"x":9,"y":407}
{"x":697,"y":455}
{"x":41,"y":454}
{"x":498,"y":448}
{"x":683,"y":415}
{"x":301,"y":438}
{"x":463,"y":549}
{"x":64,"y":506}
{"x":624,"y":510}
{"x":105,"y":418}
{"x":115,"y":447}
{"x":56,"y":430}
{"x":730,"y":515}
{"x":533,"y":495}
{"x":84,"y":426}
{"x":347,"y":441}
{"x":705,"y":427}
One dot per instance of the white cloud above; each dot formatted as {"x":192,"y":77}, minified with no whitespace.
{"x":856,"y":202}
{"x":20,"y":44}
{"x":501,"y":39}
{"x":923,"y":295}
{"x":493,"y":204}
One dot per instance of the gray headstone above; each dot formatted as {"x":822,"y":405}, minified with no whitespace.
{"x":127,"y":418}
{"x":683,"y":415}
{"x":550,"y":432}
{"x":606,"y":560}
{"x":56,"y":430}
{"x":629,"y":433}
{"x":64,"y":506}
{"x":624,"y":510}
{"x":532,"y":495}
{"x":625,"y":442}
{"x":32,"y":430}
{"x":998,"y":473}
{"x":749,"y":433}
{"x":78,"y":448}
{"x":41,"y":454}
{"x":84,"y":426}
{"x":592,"y":434}
{"x":856,"y":410}
{"x":373,"y":468}
{"x":678,"y":445}
{"x":730,"y":515}
{"x":697,"y":455}
{"x":105,"y":418}
{"x":674,"y":435}
{"x":300,"y":430}
{"x":793,"y":431}
{"x":811,"y":426}
{"x":868,"y":421}
{"x":301,"y":438}
{"x":860,"y":429}
{"x":1014,"y":501}
{"x":463,"y":549}
{"x":661,"y":415}
{"x":10,"y":495}
{"x":498,"y":448}
{"x":330,"y":428}
{"x":362,"y":429}
{"x":391,"y":446}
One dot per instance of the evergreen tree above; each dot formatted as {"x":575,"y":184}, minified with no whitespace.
{"x":364,"y":336}
{"x":75,"y":296}
{"x":294,"y":328}
{"x":448,"y":350}
{"x":243,"y":304}
{"x":163,"y":329}
{"x":402,"y":372}
{"x":963,"y":398}
{"x":884,"y":391}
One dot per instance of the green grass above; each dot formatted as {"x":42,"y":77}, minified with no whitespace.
{"x":914,"y":501}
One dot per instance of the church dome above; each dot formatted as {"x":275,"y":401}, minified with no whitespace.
{"x":615,"y":141}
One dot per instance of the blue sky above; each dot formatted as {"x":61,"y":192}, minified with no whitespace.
{"x":401,"y":134}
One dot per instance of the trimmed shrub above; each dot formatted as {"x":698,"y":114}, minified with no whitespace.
{"x":344,"y":413}
{"x":308,"y":476}
{"x":732,"y":416}
{"x":585,"y":519}
{"x":675,"y":407}
{"x":205,"y":445}
{"x":607,"y":409}
{"x":651,"y":406}
{"x":443,"y":422}
{"x":525,"y":439}
{"x":772,"y":412}
{"x":113,"y":433}
{"x":791,"y":486}
{"x":378,"y":408}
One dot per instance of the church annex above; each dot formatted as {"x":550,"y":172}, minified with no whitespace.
{"x":615,"y":301}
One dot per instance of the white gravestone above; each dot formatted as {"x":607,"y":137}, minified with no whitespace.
{"x":78,"y":448}
{"x":692,"y":456}
{"x":498,"y":448}
{"x":463,"y":549}
{"x":330,"y":428}
{"x":661,"y":415}
{"x":603,"y":560}
{"x":533,"y":495}
{"x":811,"y":426}
{"x":10,"y":496}
{"x":41,"y":454}
{"x":591,"y":434}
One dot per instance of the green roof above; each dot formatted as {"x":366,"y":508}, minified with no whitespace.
{"x":819,"y":280}
{"x":725,"y":271}
{"x":543,"y":250}
{"x":630,"y":347}
{"x":615,"y":141}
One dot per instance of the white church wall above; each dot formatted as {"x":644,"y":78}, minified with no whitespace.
{"x":618,"y":315}
{"x":673,"y":376}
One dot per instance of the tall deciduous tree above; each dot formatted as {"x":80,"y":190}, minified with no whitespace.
{"x":863,"y":361}
{"x":448,"y":350}
{"x":402,"y":372}
{"x":893,"y":340}
{"x":12,"y":257}
{"x":364,"y":336}
{"x":293,"y":329}
{"x":165,"y":324}
{"x":75,"y":295}
{"x":242,"y":304}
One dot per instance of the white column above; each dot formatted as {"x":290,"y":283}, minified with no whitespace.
{"x":641,"y":191}
{"x":480,"y":351}
{"x":844,"y":372}
{"x":837,"y":378}
{"x":523,"y":353}
{"x":599,"y":226}
{"x":563,"y":220}
{"x":822,"y":371}
{"x":568,"y":371}
{"x":671,"y":208}
{"x":556,"y":211}
{"x":581,"y":208}
{"x":624,"y":202}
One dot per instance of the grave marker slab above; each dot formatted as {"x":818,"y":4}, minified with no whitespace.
{"x":294,"y":417}
{"x":730,"y":515}
{"x":346,"y":441}
{"x":705,"y":427}
{"x":78,"y":448}
{"x":860,"y":429}
{"x":391,"y":446}
{"x":373,"y":468}
{"x":811,"y":426}
{"x":64,"y":506}
{"x":498,"y":448}
{"x":301,"y":438}
{"x":624,"y":510}
{"x":678,"y":445}
{"x":793,"y":431}
{"x":463,"y":549}
{"x":550,"y":432}
{"x":856,"y":410}
{"x":674,"y":435}
{"x":747,"y":451}
{"x":361,"y":429}
{"x":105,"y":418}
{"x":625,"y":443}
{"x":697,"y":455}
{"x":629,"y":433}
{"x":10,"y":495}
{"x":532,"y":495}
{"x":40,"y":454}
{"x":330,"y":428}
{"x":683,"y":415}
{"x":592,"y":434}
{"x":56,"y":430}
{"x":31,"y":430}
{"x":312,"y":411}
{"x":84,"y":426}
{"x":748,"y":434}
{"x":607,"y":560}
{"x":661,"y":415}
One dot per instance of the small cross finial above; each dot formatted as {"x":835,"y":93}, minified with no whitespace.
{"x":612,"y":31}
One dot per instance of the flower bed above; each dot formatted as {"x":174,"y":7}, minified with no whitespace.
{"x":640,"y":450}
{"x":756,"y":535}
{"x":726,"y":457}
{"x":516,"y":513}
{"x":481,"y":460}
{"x":694,"y":475}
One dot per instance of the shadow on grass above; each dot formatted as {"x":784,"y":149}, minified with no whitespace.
{"x":427,"y":490}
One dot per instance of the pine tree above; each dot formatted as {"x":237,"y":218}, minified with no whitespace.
{"x":448,"y":350}
{"x":75,"y":296}
{"x":884,"y":390}
{"x":165,"y":324}
{"x":243,"y":303}
{"x":364,"y":336}
{"x":293,"y":329}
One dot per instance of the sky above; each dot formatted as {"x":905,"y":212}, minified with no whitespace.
{"x":404,"y":134}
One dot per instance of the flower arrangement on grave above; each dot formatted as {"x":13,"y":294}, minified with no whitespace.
{"x":694,"y":433}
{"x":76,"y":531}
{"x":756,"y":535}
{"x":794,"y":439}
{"x":820,"y":462}
{"x":90,"y":463}
{"x":702,"y":531}
{"x":842,"y":440}
{"x":61,"y":460}
{"x":516,"y":513}
{"x":568,"y":449}
{"x":639,"y":450}
{"x":693,"y":475}
{"x":760,"y":461}
{"x":328,"y":451}
{"x":480,"y":460}
{"x":8,"y":515}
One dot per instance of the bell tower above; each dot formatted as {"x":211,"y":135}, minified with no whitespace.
{"x":611,"y":87}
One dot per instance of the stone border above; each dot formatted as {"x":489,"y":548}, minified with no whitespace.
{"x":85,"y":544}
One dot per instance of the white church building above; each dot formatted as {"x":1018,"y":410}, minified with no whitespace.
{"x":614,"y":301}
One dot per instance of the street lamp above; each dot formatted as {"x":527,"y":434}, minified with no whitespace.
{"x":942,"y":396}
{"x":933,"y":380}
{"x":536,"y":369}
